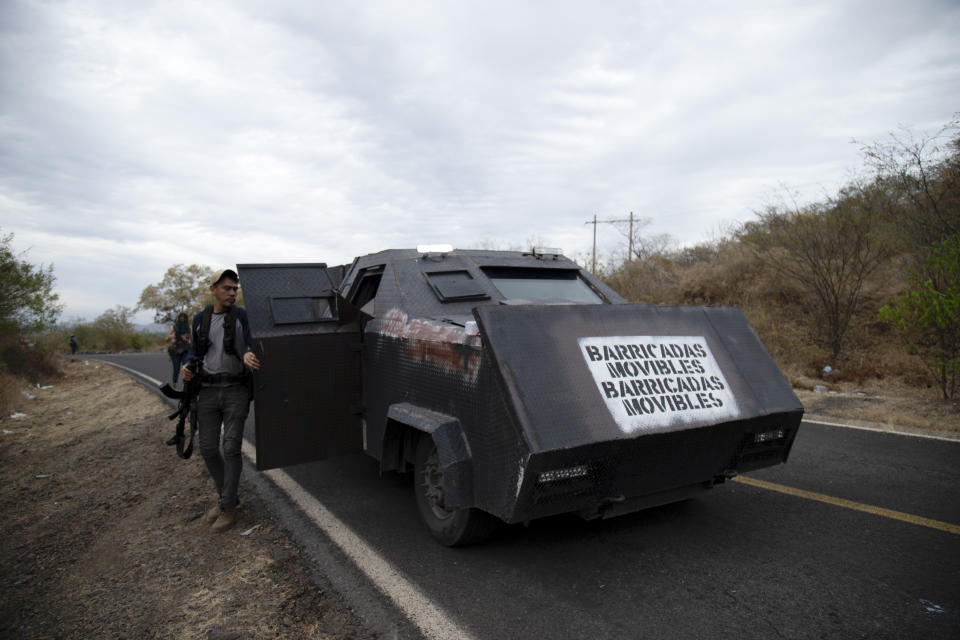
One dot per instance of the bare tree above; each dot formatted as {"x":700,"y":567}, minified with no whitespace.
{"x":921,"y":174}
{"x":831,"y":249}
{"x":640,"y":245}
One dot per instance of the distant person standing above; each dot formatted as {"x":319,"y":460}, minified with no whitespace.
{"x":73,"y":345}
{"x":178,"y":343}
{"x":222,"y":344}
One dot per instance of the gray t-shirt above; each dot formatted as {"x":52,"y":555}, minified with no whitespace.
{"x":216,"y":359}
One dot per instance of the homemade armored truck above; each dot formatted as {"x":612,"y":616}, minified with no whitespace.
{"x":515,"y":385}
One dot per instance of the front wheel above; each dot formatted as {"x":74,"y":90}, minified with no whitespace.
{"x":451,"y":526}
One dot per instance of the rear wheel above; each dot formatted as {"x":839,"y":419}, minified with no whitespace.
{"x":451,"y":526}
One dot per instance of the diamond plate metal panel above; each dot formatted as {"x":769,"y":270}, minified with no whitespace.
{"x":307,"y":392}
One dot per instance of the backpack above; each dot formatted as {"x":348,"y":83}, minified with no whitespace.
{"x":181,"y":342}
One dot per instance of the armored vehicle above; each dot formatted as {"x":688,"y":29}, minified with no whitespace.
{"x":514,"y":385}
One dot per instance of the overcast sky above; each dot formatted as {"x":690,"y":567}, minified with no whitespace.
{"x":137,"y":135}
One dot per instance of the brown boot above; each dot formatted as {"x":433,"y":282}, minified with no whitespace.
{"x":211,"y":515}
{"x":226,"y":519}
{"x":214,"y":512}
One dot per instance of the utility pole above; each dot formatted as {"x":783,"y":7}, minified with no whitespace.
{"x":593,"y":269}
{"x":594,"y":222}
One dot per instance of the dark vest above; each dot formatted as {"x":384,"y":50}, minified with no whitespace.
{"x":229,"y":331}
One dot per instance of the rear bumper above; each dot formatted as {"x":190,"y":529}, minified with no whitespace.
{"x":621,"y":476}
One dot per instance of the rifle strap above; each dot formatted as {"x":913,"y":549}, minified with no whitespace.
{"x":187,"y":408}
{"x":184,"y":452}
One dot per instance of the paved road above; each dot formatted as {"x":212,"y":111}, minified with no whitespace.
{"x":742,"y":561}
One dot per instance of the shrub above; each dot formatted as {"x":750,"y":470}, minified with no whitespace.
{"x":95,"y":339}
{"x":27,"y":360}
{"x":927,"y":316}
{"x":9,"y":393}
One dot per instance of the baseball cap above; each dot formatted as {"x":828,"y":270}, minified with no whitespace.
{"x":229,"y":274}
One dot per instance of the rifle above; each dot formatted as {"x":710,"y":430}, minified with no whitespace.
{"x":186,"y":407}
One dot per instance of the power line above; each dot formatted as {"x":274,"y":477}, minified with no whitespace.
{"x":594,"y":222}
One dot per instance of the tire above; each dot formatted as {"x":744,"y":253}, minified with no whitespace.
{"x":451,"y":527}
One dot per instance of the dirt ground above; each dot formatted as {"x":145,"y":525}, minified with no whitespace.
{"x":886,"y":406}
{"x":103,"y":535}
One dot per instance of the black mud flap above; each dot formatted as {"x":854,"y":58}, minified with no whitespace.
{"x":307,"y":392}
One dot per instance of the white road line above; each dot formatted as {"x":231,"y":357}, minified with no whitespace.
{"x":878,"y":430}
{"x":432,"y":621}
{"x":133,"y":371}
{"x":421,"y":610}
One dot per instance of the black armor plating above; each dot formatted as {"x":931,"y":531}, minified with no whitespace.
{"x":543,"y":390}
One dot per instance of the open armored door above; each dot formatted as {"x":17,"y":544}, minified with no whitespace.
{"x":307,"y":392}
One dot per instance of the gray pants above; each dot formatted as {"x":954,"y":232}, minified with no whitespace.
{"x":227,"y":406}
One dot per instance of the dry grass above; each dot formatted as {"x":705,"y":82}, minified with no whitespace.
{"x":11,"y":397}
{"x":785,"y":316}
{"x":104,"y":539}
{"x":882,"y":404}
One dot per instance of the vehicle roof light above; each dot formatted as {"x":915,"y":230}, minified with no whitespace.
{"x":547,"y":252}
{"x":427,"y":249}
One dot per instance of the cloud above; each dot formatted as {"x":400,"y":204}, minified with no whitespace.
{"x":138,"y":136}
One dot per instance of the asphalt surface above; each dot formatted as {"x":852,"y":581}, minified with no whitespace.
{"x":740,"y":561}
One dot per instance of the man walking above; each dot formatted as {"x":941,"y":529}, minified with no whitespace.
{"x":222,"y":346}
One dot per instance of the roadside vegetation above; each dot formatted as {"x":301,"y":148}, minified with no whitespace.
{"x":28,"y":306}
{"x":32,"y":336}
{"x":865,"y":281}
{"x":112,"y":330}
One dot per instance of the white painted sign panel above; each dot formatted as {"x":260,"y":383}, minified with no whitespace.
{"x":658,"y":383}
